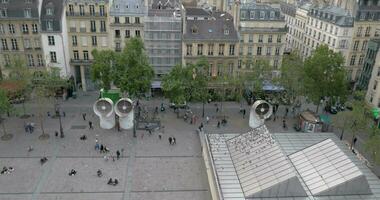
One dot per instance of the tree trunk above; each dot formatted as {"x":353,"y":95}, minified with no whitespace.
{"x":316,"y":111}
{"x":42,"y":124}
{"x":23,"y":107}
{"x":3,"y":126}
{"x":352,"y":141}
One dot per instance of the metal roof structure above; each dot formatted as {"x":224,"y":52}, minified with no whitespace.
{"x":263,"y":170}
{"x":290,"y":143}
{"x":326,"y":170}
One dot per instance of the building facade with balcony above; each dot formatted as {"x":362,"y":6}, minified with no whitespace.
{"x":163,"y":38}
{"x":20,"y":34}
{"x":87,"y":23}
{"x":370,"y":75}
{"x":366,"y":27}
{"x":210,"y":35}
{"x":126,"y":20}
{"x":54,"y":36}
{"x":262,"y":35}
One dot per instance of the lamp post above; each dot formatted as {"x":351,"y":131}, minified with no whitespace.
{"x":58,"y":112}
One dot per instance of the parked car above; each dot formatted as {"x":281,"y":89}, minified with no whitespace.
{"x":331,"y":109}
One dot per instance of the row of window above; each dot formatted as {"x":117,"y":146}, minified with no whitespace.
{"x":90,"y":10}
{"x":249,"y":65}
{"x":355,"y":47}
{"x":83,"y":26}
{"x":84,"y":40}
{"x":127,"y":33}
{"x":84,"y":53}
{"x":353,"y":60}
{"x":127,"y":20}
{"x":30,"y":60}
{"x":14,"y":44}
{"x":24,"y":28}
{"x":367,"y":33}
{"x":260,"y":39}
{"x":189,"y":49}
{"x":259,"y":51}
{"x":4,"y":12}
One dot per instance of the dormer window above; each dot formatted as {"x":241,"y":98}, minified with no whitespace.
{"x":49,"y":11}
{"x":262,"y":14}
{"x":194,"y":30}
{"x":252,"y":14}
{"x":49,"y":25}
{"x":243,"y":14}
{"x":226,"y":31}
{"x":117,"y":6}
{"x":272,"y":14}
{"x":28,"y":13}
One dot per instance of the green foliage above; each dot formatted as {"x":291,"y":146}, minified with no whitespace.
{"x":325,"y":75}
{"x":128,"y":70}
{"x":5,"y":106}
{"x":176,"y":84}
{"x":372,"y":145}
{"x":260,"y":71}
{"x":102,"y":67}
{"x":292,"y":76}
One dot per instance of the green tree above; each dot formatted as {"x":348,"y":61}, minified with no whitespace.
{"x":372,"y":145}
{"x":198,"y":83}
{"x":292,"y":76}
{"x":137,"y":73}
{"x":19,"y":72}
{"x":176,"y":84}
{"x":45,"y":88}
{"x":354,"y":121}
{"x":260,"y":71}
{"x":5,"y":107}
{"x":325,"y":76}
{"x":102,"y":69}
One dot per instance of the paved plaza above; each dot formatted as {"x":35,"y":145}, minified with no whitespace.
{"x":149,"y":168}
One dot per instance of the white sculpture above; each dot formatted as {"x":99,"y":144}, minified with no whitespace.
{"x":103,"y":108}
{"x":124,"y":109}
{"x":260,"y":111}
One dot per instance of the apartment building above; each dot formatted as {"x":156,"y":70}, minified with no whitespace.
{"x":366,"y":27}
{"x":87,"y":22}
{"x":371,"y":73}
{"x":126,"y":21}
{"x":295,"y":18}
{"x":262,"y":35}
{"x":211,"y":35}
{"x":54,"y":36}
{"x":163,"y":36}
{"x":20,"y":33}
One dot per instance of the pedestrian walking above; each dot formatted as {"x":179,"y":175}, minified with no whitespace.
{"x":218,"y":124}
{"x":48,"y":114}
{"x":207,"y":119}
{"x":170,"y":140}
{"x":56,"y":133}
{"x":84,"y":116}
{"x":286,"y":111}
{"x":217,"y":109}
{"x":174,"y":142}
{"x":201,"y":127}
{"x":101,"y":148}
{"x":159,"y":136}
{"x":118,"y":154}
{"x":90,"y":124}
{"x":64,"y":114}
{"x":243,"y":113}
{"x":284,"y":123}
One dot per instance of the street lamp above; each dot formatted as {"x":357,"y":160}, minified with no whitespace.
{"x":58,"y":112}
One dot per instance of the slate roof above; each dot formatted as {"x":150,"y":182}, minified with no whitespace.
{"x":196,"y":12}
{"x":57,"y":6}
{"x":15,"y":8}
{"x":212,"y":29}
{"x":128,"y":8}
{"x":332,"y":14}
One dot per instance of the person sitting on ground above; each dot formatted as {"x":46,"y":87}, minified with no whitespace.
{"x":72,"y":172}
{"x":4,"y":171}
{"x":11,"y":169}
{"x":106,"y":149}
{"x":83,"y":137}
{"x":115,"y":182}
{"x":30,"y":148}
{"x":110,"y":182}
{"x":99,"y":173}
{"x":43,"y":160}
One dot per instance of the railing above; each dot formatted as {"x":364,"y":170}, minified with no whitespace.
{"x":78,"y":14}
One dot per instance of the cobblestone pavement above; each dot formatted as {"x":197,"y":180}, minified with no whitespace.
{"x":150,"y":168}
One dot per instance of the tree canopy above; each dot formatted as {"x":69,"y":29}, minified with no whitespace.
{"x":128,"y":70}
{"x":325,"y":75}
